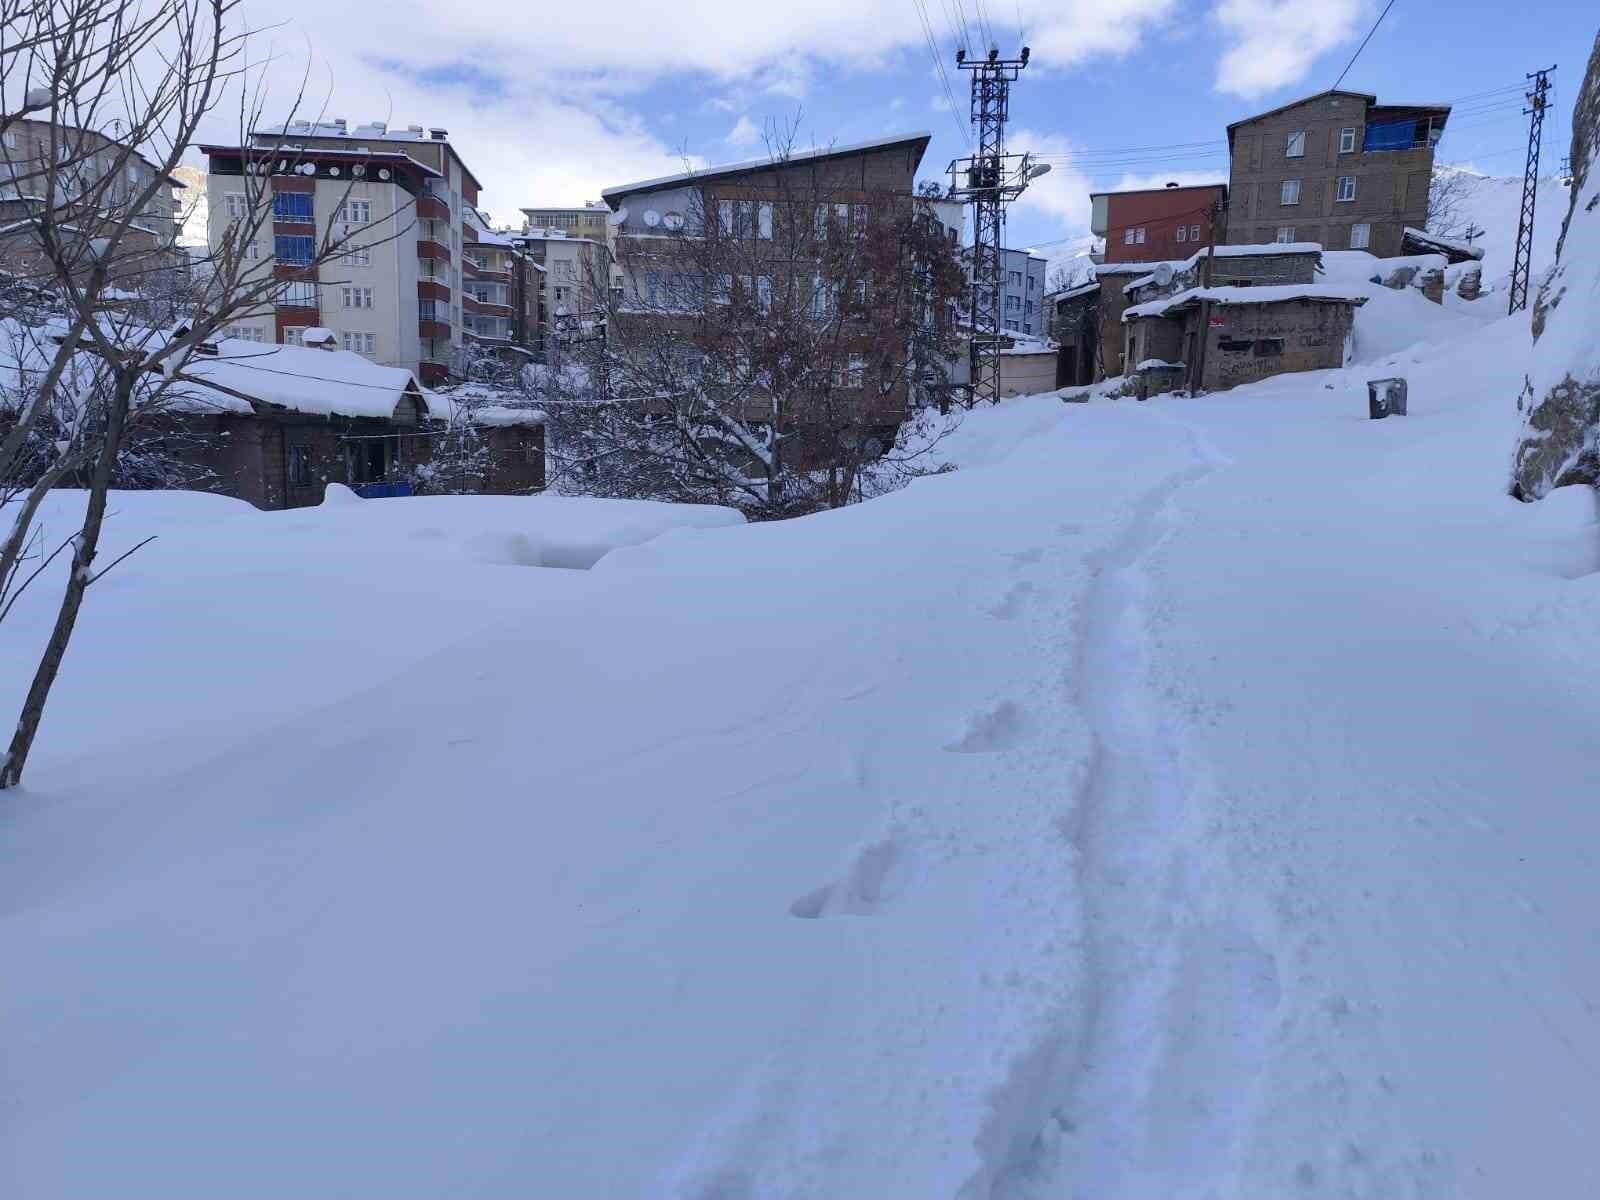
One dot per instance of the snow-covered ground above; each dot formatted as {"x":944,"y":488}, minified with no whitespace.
{"x":1181,"y":799}
{"x":1494,"y":203}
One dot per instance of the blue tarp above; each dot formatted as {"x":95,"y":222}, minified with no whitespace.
{"x":382,"y":491}
{"x":1392,"y":135}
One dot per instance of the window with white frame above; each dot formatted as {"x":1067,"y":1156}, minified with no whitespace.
{"x":1127,"y":237}
{"x":1285,"y":233}
{"x":1347,"y":187}
{"x":764,"y":220}
{"x":1183,"y":233}
{"x":246,"y":333}
{"x":1360,"y":236}
{"x":1289,"y":192}
{"x":1138,"y":236}
{"x":359,"y":256}
{"x":236,"y":206}
{"x":297,"y":294}
{"x":357,"y":297}
{"x":1295,"y":146}
{"x":252,"y":251}
{"x":361,"y":343}
{"x":1194,"y":233}
{"x":1014,"y":278}
{"x":1347,"y":140}
{"x":859,"y":214}
{"x":355,"y":212}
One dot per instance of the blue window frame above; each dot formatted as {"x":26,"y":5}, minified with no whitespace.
{"x":291,"y":206}
{"x":293,"y":249}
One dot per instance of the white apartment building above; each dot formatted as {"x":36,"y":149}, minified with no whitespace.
{"x":401,"y":197}
{"x":575,"y":270}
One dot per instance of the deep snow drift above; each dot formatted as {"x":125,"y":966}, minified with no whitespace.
{"x":1182,"y":799}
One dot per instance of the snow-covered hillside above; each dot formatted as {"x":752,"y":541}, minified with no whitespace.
{"x":1494,"y":203}
{"x":1181,"y":799}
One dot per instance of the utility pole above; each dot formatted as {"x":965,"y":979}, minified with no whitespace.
{"x":1472,"y":233}
{"x":1538,"y":101}
{"x":1197,"y":368}
{"x":988,"y":180}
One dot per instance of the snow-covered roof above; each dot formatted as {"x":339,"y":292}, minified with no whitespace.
{"x":298,"y":379}
{"x":1253,"y":250}
{"x":1101,"y":270}
{"x":762,"y":164}
{"x":1454,"y":248}
{"x":1072,"y":293}
{"x":1158,"y":364}
{"x":1238,"y":296}
{"x":495,"y":237}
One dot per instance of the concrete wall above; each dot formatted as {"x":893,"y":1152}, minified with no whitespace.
{"x":1308,"y":335}
{"x":1391,"y":186}
{"x":1027,"y":374}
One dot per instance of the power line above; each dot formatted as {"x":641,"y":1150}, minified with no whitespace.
{"x":938,"y":66}
{"x":1364,"y":44}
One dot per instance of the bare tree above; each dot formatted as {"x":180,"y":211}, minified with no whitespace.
{"x":102,"y":98}
{"x":1448,"y":195}
{"x":762,"y":352}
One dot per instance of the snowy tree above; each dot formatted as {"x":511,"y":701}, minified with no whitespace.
{"x":111,"y":93}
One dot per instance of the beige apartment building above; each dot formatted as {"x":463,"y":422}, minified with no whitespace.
{"x":80,"y":161}
{"x":588,"y":221}
{"x":401,"y":197}
{"x":575,"y":273}
{"x":1337,"y":168}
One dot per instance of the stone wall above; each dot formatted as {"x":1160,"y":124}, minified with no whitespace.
{"x":1257,"y":341}
{"x":1560,"y":442}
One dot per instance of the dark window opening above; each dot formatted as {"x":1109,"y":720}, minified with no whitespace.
{"x":1268,"y":347}
{"x":1236,"y":345}
{"x":299,"y":466}
{"x":366,"y":461}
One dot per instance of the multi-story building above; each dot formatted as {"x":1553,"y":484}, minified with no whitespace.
{"x":760,"y":236}
{"x":1336,"y":168}
{"x":1156,"y":224}
{"x":1022,"y":279}
{"x":80,"y":161}
{"x":576,"y":273}
{"x":500,"y":300}
{"x":400,"y":198}
{"x":590,"y":221}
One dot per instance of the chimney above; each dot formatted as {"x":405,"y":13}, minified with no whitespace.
{"x":413,"y":128}
{"x":439,"y":135}
{"x":340,"y":125}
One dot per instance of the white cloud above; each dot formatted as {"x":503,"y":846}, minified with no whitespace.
{"x":1273,"y":43}
{"x":745,"y":132}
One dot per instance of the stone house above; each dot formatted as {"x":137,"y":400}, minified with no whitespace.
{"x":1336,"y":168}
{"x":1075,"y":326}
{"x":1214,"y":338}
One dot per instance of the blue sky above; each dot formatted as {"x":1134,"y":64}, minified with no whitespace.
{"x":550,"y":110}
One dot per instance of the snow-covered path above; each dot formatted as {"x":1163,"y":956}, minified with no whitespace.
{"x":1185,"y":799}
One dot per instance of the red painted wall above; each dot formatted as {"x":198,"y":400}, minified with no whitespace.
{"x":1160,"y":214}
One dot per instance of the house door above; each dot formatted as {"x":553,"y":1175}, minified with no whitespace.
{"x":367,"y":460}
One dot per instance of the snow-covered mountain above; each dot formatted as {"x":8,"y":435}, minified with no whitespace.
{"x":1493,"y":204}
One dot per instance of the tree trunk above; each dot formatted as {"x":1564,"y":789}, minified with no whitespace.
{"x":44,"y":677}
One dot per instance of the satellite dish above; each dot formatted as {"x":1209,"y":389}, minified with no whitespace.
{"x":358,"y":170}
{"x":383,"y":172}
{"x":652,"y":218}
{"x":673,"y":221}
{"x":334,"y":171}
{"x":1163,"y":274}
{"x":308,"y":168}
{"x":618,"y":217}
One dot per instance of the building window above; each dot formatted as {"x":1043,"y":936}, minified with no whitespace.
{"x":236,"y":207}
{"x":856,"y":372}
{"x":1138,"y":236}
{"x":357,"y":297}
{"x":292,"y":335}
{"x":245,"y":333}
{"x":1194,"y":233}
{"x":293,"y":250}
{"x":1285,"y":233}
{"x":1360,"y":236}
{"x":858,"y":219}
{"x":361,"y":343}
{"x":360,"y":256}
{"x":1296,"y":145}
{"x":1347,"y":187}
{"x":1014,"y":278}
{"x":1267,"y":347}
{"x":1183,"y":233}
{"x":297,"y":294}
{"x":1347,"y":141}
{"x":355,"y":212}
{"x":252,"y":251}
{"x":1289,"y":192}
{"x":292,"y":206}
{"x":299,"y":466}
{"x":1032,"y":283}
{"x":1127,"y":237}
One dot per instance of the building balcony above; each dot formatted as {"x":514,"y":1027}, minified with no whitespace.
{"x":433,"y":289}
{"x":492,"y":308}
{"x":428,"y":248}
{"x":431,"y":208}
{"x":433,"y":328}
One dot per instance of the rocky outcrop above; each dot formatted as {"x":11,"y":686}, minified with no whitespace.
{"x":1560,"y":442}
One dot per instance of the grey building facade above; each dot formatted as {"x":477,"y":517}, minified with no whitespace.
{"x":1336,"y":168}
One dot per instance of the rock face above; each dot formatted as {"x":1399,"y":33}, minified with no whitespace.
{"x":1560,"y":442}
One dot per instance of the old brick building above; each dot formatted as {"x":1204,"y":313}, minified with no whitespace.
{"x":1155,"y":224}
{"x":1336,"y":168}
